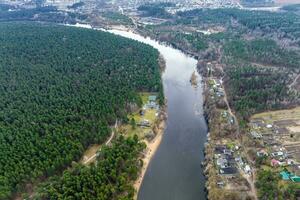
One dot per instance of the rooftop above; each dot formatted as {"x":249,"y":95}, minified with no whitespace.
{"x":228,"y":170}
{"x":152,"y":98}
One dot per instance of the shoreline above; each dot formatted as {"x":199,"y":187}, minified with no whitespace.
{"x":158,"y":129}
{"x":159,"y":126}
{"x":151,"y":148}
{"x":153,"y":145}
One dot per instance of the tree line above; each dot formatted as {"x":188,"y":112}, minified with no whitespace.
{"x":60,"y":89}
{"x":110,"y":179}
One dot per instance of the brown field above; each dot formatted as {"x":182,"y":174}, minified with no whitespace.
{"x":294,"y":129}
{"x":282,"y":116}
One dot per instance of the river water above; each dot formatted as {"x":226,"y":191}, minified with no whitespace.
{"x":175,"y":171}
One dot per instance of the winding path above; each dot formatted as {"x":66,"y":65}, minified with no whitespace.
{"x":294,"y":82}
{"x":106,"y":143}
{"x":230,"y":111}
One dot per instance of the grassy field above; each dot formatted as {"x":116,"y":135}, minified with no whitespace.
{"x":149,"y":115}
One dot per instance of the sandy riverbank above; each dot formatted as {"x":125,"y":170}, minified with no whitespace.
{"x":152,"y":146}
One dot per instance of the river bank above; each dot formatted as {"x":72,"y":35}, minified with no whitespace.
{"x":174,"y":171}
{"x":151,"y":148}
{"x":209,"y":171}
{"x":154,"y":145}
{"x":222,"y":132}
{"x":227,"y":169}
{"x":213,"y":107}
{"x":143,"y":32}
{"x":146,"y":33}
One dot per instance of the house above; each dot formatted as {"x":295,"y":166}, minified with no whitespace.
{"x":236,"y":147}
{"x":262,"y":153}
{"x":220,"y":93}
{"x":222,"y":162}
{"x":290,"y":162}
{"x":256,"y":135}
{"x":285,"y":175}
{"x":230,"y":159}
{"x":142,"y":112}
{"x":152,"y":105}
{"x":295,"y":179}
{"x":219,"y":150}
{"x":239,"y":161}
{"x":152,"y":98}
{"x":228,"y":171}
{"x":275,"y":163}
{"x":257,"y":123}
{"x":144,"y":123}
{"x":227,"y":152}
{"x":247,"y":169}
{"x":254,"y":125}
{"x":231,"y":119}
{"x":220,"y":184}
{"x":269,"y":126}
{"x":270,"y":142}
{"x":295,"y":169}
{"x":278,"y":153}
{"x":220,"y":89}
{"x":211,"y":82}
{"x":224,"y":114}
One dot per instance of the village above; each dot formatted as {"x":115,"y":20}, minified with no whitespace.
{"x":230,"y":166}
{"x":272,"y":142}
{"x":277,"y":140}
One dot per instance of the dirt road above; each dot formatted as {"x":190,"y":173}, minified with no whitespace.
{"x":93,"y":157}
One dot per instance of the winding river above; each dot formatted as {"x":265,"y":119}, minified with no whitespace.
{"x":175,"y":171}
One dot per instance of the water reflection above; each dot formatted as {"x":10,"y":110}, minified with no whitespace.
{"x":175,"y":171}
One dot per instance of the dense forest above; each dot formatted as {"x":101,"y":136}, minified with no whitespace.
{"x":264,"y":51}
{"x":117,"y":166}
{"x":253,"y":89}
{"x":258,"y":75}
{"x":286,"y":24}
{"x":60,"y":89}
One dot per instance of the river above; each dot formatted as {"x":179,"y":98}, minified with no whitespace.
{"x":175,"y":171}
